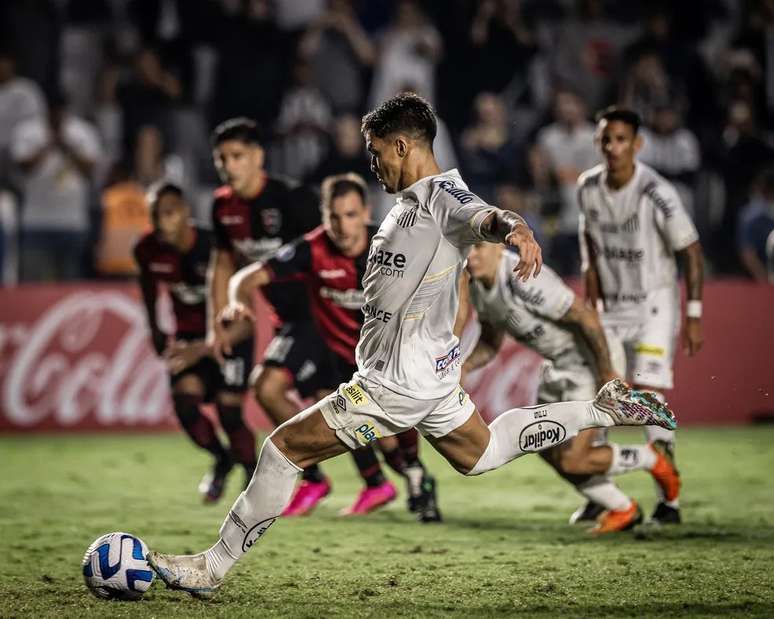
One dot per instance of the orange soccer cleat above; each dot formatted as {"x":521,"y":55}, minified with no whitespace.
{"x":664,"y":471}
{"x":618,"y":520}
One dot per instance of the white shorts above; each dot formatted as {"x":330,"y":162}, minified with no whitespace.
{"x":650,"y":344}
{"x":362,"y":411}
{"x":562,"y":385}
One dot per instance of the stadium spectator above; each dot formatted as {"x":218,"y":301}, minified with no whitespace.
{"x":302,"y":127}
{"x":57,"y":156}
{"x":586,"y":52}
{"x":409,"y":51}
{"x":756,"y":225}
{"x":20,"y":99}
{"x":673,"y":151}
{"x":339,"y":51}
{"x":647,"y":86}
{"x":346,"y":152}
{"x":487,"y":152}
{"x":567,"y":145}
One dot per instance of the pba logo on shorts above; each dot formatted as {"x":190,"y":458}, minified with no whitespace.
{"x":541,"y":434}
{"x":367,"y":433}
{"x":355,"y":394}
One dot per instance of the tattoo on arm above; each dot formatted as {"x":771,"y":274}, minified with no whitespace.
{"x":694,"y":270}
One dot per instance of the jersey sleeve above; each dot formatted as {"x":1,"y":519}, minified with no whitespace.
{"x":222,"y":240}
{"x":546,"y":294}
{"x":672,"y":219}
{"x":458,"y":212}
{"x":292,"y":260}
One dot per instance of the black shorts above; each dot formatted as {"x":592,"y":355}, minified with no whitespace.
{"x":299,"y":349}
{"x":233,"y":376}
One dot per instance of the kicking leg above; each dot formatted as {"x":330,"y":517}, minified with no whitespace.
{"x":304,"y":440}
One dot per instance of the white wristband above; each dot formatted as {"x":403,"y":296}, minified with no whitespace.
{"x":693,"y":309}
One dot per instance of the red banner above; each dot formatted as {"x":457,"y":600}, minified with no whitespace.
{"x":77,"y":357}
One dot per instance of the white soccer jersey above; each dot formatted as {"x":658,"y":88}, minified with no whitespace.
{"x":411,"y":287}
{"x":529,"y":312}
{"x":634,"y":232}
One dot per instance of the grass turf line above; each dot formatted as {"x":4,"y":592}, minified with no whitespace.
{"x":504,"y":549}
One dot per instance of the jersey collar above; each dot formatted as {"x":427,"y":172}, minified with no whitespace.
{"x":420,"y":191}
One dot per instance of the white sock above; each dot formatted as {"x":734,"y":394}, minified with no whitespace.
{"x":529,"y":430}
{"x":657,"y":433}
{"x":628,"y":458}
{"x":602,"y":491}
{"x":255,"y":510}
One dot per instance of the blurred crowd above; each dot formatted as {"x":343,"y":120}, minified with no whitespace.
{"x":100,"y":98}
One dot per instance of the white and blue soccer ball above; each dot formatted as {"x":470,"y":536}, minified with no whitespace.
{"x":114,"y":567}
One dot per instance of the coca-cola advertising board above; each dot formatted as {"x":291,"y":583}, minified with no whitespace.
{"x":77,"y":357}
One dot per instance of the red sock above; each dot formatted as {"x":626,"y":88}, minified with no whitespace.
{"x":409,"y":447}
{"x":368,"y":466}
{"x":197,"y":426}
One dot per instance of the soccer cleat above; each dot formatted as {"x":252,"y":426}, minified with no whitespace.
{"x":631,"y":407}
{"x":618,"y":520}
{"x":308,"y":495}
{"x":427,"y":506}
{"x":665,"y":514}
{"x":664,"y":472}
{"x":371,"y":498}
{"x":213,"y":483}
{"x":184,"y":572}
{"x":414,"y":474}
{"x":586,"y":513}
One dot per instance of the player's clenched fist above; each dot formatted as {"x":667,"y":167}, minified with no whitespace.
{"x":531,"y":256}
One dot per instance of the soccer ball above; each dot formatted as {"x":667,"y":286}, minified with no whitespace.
{"x":114,"y":567}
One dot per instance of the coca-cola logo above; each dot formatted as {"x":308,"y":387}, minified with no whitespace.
{"x":83,"y":359}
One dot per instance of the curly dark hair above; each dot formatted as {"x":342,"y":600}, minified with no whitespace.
{"x":404,"y":113}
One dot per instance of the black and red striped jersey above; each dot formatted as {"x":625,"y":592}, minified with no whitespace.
{"x":334,"y":285}
{"x":253,"y":230}
{"x":183,"y":273}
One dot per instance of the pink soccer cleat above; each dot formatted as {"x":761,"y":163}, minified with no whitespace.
{"x":307,"y":496}
{"x":370,"y":499}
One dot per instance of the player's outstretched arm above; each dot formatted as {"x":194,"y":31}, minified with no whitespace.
{"x":693,"y":258}
{"x":511,"y":229}
{"x":221,"y":267}
{"x":587,"y":320}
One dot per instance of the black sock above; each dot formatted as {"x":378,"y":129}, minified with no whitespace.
{"x":368,"y":466}
{"x":197,"y":426}
{"x":313,"y":473}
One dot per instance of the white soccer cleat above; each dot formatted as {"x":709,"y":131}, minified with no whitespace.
{"x":184,"y":572}
{"x":631,"y":407}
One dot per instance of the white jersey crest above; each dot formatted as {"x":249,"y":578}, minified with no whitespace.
{"x":411,"y":287}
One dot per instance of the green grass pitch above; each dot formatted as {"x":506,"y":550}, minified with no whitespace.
{"x":504,"y":549}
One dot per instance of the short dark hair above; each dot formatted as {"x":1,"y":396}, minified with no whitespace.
{"x":241,"y":129}
{"x":623,"y":114}
{"x":340,"y":185}
{"x":404,"y":113}
{"x":158,"y":190}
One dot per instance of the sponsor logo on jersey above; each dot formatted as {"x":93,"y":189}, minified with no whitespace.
{"x":624,"y":254}
{"x":256,"y":250}
{"x":367,"y":433}
{"x":375,"y":313}
{"x":445,"y":364}
{"x":351,"y":299}
{"x":161,"y":267}
{"x":408,"y":217}
{"x":355,"y":394}
{"x":541,"y":434}
{"x":188,"y":294}
{"x":632,"y":297}
{"x":661,"y":204}
{"x":271,"y":219}
{"x":231,"y":220}
{"x":256,"y":532}
{"x":463,"y":196}
{"x":649,"y":349}
{"x":331,"y":273}
{"x":389,"y":263}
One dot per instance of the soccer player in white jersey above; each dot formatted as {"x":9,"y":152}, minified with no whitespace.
{"x":545,"y":315}
{"x":408,"y":357}
{"x":632,"y":227}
